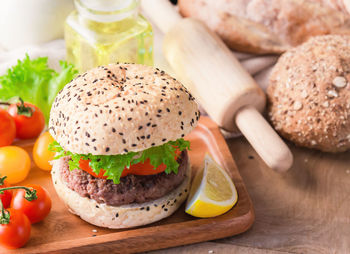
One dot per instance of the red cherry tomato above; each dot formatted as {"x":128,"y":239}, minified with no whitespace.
{"x":6,"y":196}
{"x":7,"y":128}
{"x":16,"y":233}
{"x":27,"y":126}
{"x":36,"y":210}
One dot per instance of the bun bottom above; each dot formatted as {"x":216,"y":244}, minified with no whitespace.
{"x":125,"y":216}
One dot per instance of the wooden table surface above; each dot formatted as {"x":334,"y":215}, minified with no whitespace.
{"x":306,"y":210}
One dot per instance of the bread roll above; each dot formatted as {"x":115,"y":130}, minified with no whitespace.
{"x":309,"y":94}
{"x":94,"y":112}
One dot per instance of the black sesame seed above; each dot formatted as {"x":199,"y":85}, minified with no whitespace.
{"x":133,"y":145}
{"x":164,"y":139}
{"x":121,"y":133}
{"x":180,"y":113}
{"x":129,"y":119}
{"x":87,"y":134}
{"x":166,"y":209}
{"x":113,"y":130}
{"x":148,"y":124}
{"x":87,"y":144}
{"x":97,"y":206}
{"x":148,"y":136}
{"x":107,"y":149}
{"x":140,"y":127}
{"x":154,"y":125}
{"x":167,"y":109}
{"x":126,"y":150}
{"x":147,"y":208}
{"x":142,"y":208}
{"x":117,"y":215}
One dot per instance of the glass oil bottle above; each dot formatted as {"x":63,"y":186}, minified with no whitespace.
{"x":100,"y":32}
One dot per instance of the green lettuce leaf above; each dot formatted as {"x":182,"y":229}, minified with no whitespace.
{"x":35,"y":82}
{"x":115,"y":164}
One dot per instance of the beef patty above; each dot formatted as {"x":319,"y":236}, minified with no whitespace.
{"x":131,"y":189}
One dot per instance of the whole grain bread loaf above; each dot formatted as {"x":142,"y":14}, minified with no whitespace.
{"x":269,"y":26}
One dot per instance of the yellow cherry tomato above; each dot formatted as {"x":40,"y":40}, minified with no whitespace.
{"x":41,"y":154}
{"x":14,"y":163}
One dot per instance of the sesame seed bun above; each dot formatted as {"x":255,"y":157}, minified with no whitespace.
{"x":309,"y":94}
{"x":124,"y":216}
{"x":120,"y":108}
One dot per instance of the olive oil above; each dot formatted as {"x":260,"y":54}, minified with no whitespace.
{"x":107,"y":31}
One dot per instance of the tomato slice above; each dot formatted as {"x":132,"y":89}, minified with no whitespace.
{"x":137,"y":169}
{"x":84,"y":165}
{"x":145,"y":168}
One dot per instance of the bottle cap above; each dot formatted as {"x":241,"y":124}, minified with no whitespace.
{"x":106,"y":5}
{"x":106,"y":10}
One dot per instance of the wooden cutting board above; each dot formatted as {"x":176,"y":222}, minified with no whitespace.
{"x":63,"y":232}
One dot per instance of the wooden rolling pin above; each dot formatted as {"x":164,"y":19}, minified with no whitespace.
{"x":218,"y":81}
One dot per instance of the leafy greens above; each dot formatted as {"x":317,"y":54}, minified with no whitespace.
{"x":35,"y":82}
{"x":115,"y":164}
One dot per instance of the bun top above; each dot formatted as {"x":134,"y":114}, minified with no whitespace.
{"x":309,"y":94}
{"x":119,"y":108}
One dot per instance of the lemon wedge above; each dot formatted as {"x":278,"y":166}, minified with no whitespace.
{"x":212,"y":192}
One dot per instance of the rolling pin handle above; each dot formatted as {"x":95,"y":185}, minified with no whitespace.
{"x":264,"y":139}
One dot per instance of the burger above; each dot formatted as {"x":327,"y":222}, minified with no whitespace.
{"x":121,"y":158}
